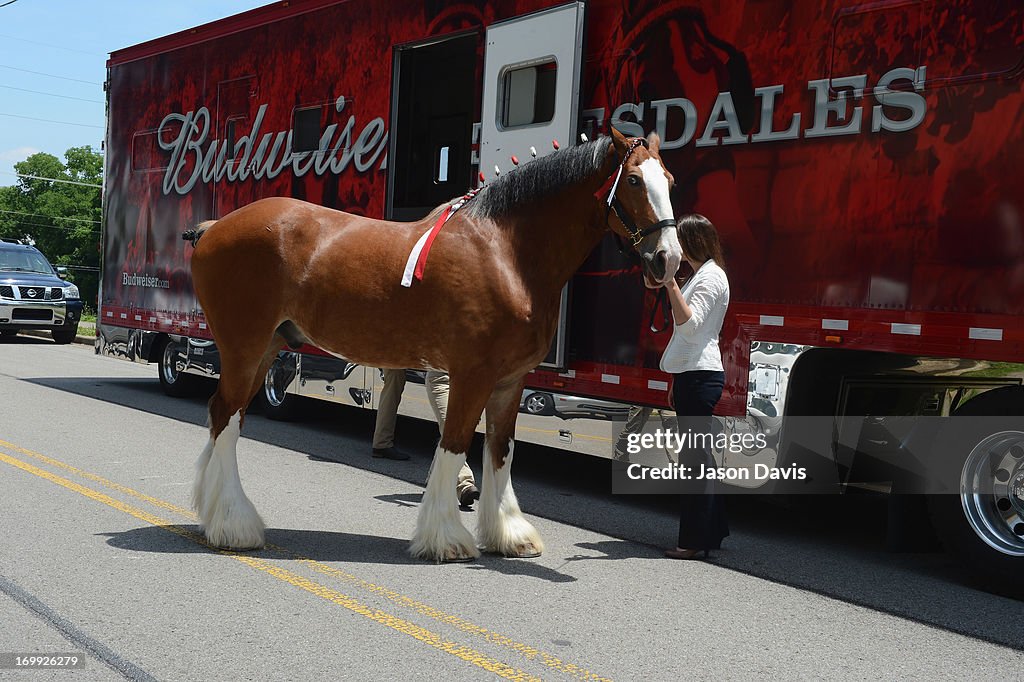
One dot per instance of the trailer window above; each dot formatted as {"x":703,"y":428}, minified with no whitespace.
{"x":528,"y":94}
{"x":306,"y":130}
{"x":146,"y":152}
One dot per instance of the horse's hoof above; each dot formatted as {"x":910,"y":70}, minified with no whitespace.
{"x":254,"y":548}
{"x":239,"y":539}
{"x":451,"y":554}
{"x":249,"y":546}
{"x":524,"y":551}
{"x":457,"y":554}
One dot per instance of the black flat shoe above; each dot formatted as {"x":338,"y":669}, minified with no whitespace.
{"x":468,"y":496}
{"x":686,"y":553}
{"x":390,"y":453}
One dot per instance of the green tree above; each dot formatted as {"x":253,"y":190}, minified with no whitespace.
{"x":62,"y":220}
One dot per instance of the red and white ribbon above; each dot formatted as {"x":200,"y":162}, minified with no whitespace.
{"x":417,"y":261}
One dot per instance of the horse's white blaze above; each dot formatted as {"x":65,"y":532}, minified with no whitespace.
{"x":502,"y":527}
{"x":440,"y":535}
{"x":658,"y":195}
{"x":657,"y":188}
{"x":228,"y":517}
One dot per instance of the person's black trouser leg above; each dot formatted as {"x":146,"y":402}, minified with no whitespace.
{"x":702,"y":517}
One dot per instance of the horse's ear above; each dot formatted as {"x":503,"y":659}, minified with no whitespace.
{"x":621,"y":144}
{"x":654,"y":142}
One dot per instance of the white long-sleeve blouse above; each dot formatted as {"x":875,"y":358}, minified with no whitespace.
{"x":694,"y":344}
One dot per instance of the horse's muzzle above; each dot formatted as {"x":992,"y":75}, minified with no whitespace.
{"x":656,"y":266}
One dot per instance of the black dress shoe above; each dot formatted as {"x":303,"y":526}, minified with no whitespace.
{"x":390,"y":453}
{"x":468,"y":496}
{"x":684,"y":554}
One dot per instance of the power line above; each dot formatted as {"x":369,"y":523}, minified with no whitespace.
{"x":48,"y":75}
{"x":9,"y":2}
{"x":59,"y":47}
{"x":54,"y":227}
{"x":52,"y":94}
{"x":66,"y":182}
{"x":41,"y":215}
{"x":47,"y":120}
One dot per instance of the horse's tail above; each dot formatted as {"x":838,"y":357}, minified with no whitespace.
{"x":194,"y":235}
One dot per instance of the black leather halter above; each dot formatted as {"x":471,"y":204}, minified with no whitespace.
{"x":636,"y":235}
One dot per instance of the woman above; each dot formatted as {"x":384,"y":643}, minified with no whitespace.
{"x":695,"y":362}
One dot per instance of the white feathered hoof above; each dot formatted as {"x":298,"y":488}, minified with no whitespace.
{"x":513,"y":537}
{"x":440,"y":535}
{"x":233,"y":524}
{"x":228,"y":518}
{"x":446,"y":543}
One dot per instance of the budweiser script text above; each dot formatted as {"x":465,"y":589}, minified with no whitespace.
{"x":259,"y":155}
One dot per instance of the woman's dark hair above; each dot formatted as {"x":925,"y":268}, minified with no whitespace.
{"x":699,"y":239}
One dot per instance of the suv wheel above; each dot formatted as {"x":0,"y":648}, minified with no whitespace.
{"x":540,"y":403}
{"x":65,"y":335}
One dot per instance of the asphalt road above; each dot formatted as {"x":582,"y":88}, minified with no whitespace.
{"x":100,"y":556}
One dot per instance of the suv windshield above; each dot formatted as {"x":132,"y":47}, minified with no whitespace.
{"x":24,"y":261}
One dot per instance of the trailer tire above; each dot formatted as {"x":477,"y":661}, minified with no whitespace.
{"x":275,"y":401}
{"x":973,"y":525}
{"x":173,"y":381}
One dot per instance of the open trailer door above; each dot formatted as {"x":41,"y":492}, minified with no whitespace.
{"x":533,"y":66}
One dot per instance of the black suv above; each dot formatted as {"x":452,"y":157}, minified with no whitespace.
{"x":34,"y":296}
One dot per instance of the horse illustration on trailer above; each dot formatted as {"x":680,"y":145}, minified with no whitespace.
{"x":282,"y":271}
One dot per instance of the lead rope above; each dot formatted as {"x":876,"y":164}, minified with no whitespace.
{"x":660,"y":301}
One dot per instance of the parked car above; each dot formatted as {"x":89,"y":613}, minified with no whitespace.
{"x":569,"y":406}
{"x":34,"y":295}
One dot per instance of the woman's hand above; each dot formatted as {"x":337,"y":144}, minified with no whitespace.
{"x":680,"y":310}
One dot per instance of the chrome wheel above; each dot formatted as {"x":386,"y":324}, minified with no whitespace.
{"x":538,"y":403}
{"x":992,"y":491}
{"x":171,"y":365}
{"x":275,"y":386}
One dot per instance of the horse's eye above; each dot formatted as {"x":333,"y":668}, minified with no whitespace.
{"x":633,"y":180}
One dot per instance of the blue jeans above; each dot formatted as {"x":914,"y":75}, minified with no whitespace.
{"x":702,"y":517}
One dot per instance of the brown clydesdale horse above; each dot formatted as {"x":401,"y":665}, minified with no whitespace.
{"x":284,"y":271}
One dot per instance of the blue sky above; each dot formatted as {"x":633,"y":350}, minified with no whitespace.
{"x":72,"y":39}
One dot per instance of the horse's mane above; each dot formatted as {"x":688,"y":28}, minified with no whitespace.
{"x":539,"y":179}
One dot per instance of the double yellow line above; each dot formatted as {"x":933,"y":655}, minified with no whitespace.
{"x":331,"y":595}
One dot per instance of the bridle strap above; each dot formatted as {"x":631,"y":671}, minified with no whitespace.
{"x":636,"y":235}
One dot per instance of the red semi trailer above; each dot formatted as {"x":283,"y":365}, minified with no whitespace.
{"x":861,"y":161}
